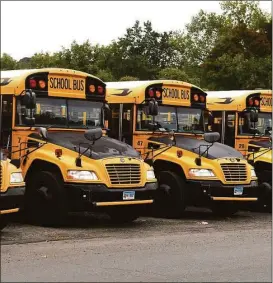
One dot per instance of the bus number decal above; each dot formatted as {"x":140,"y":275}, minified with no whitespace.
{"x":241,"y":145}
{"x":139,"y":143}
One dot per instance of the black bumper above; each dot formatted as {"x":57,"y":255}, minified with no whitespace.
{"x":200,"y":192}
{"x":87,"y":197}
{"x":12,"y":198}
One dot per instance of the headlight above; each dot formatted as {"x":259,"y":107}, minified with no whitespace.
{"x":82,"y":175}
{"x":16,"y":178}
{"x":253,"y":174}
{"x":150,"y":174}
{"x":201,"y":173}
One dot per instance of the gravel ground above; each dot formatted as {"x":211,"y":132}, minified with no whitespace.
{"x":197,"y":247}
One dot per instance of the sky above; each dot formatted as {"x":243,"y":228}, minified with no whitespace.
{"x":33,"y":26}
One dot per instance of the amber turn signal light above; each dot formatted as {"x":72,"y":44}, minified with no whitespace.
{"x":179,"y":153}
{"x":58,"y":152}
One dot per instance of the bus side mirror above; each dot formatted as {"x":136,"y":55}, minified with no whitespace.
{"x":107,"y":111}
{"x":153,"y":107}
{"x":211,"y":137}
{"x":29,"y":99}
{"x":93,"y":134}
{"x":253,"y":117}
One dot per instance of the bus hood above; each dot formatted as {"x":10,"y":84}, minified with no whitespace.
{"x":217,"y":150}
{"x":103,"y":148}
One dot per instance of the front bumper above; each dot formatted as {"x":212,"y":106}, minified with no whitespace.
{"x":200,"y":192}
{"x":12,"y":200}
{"x":89,"y":197}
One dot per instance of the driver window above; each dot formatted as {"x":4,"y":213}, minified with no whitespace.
{"x":143,"y":119}
{"x":166,"y":120}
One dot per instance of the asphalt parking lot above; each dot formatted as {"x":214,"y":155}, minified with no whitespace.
{"x":197,"y":247}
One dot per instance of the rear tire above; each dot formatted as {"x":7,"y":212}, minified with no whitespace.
{"x":224,"y":209}
{"x":46,"y":200}
{"x":171,"y":199}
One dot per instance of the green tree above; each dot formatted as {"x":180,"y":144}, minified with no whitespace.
{"x":141,"y":52}
{"x":173,"y":74}
{"x":105,"y":75}
{"x":128,"y":78}
{"x":7,"y":62}
{"x":244,"y":12}
{"x":42,"y":60}
{"x":200,"y":36}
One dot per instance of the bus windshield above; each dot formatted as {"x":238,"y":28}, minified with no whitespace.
{"x":264,"y":124}
{"x":171,"y":118}
{"x":63,"y":113}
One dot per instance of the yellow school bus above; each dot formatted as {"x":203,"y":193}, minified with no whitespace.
{"x":164,"y":120}
{"x":68,"y":164}
{"x":232,"y":116}
{"x":12,"y":189}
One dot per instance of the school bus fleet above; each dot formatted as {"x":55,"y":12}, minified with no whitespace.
{"x":244,"y":120}
{"x":165,"y":121}
{"x":151,"y":147}
{"x":68,"y":163}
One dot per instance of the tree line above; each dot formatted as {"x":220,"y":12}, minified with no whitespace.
{"x":231,"y":50}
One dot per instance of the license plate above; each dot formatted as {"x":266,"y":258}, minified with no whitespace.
{"x":128,"y":195}
{"x":238,"y":191}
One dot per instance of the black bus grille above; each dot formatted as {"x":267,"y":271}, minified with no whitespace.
{"x":234,"y":172}
{"x":122,"y":174}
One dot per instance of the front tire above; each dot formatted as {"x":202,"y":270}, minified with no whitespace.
{"x":171,"y":199}
{"x":46,"y":201}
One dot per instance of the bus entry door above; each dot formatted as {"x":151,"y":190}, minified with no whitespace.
{"x":121,"y":126}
